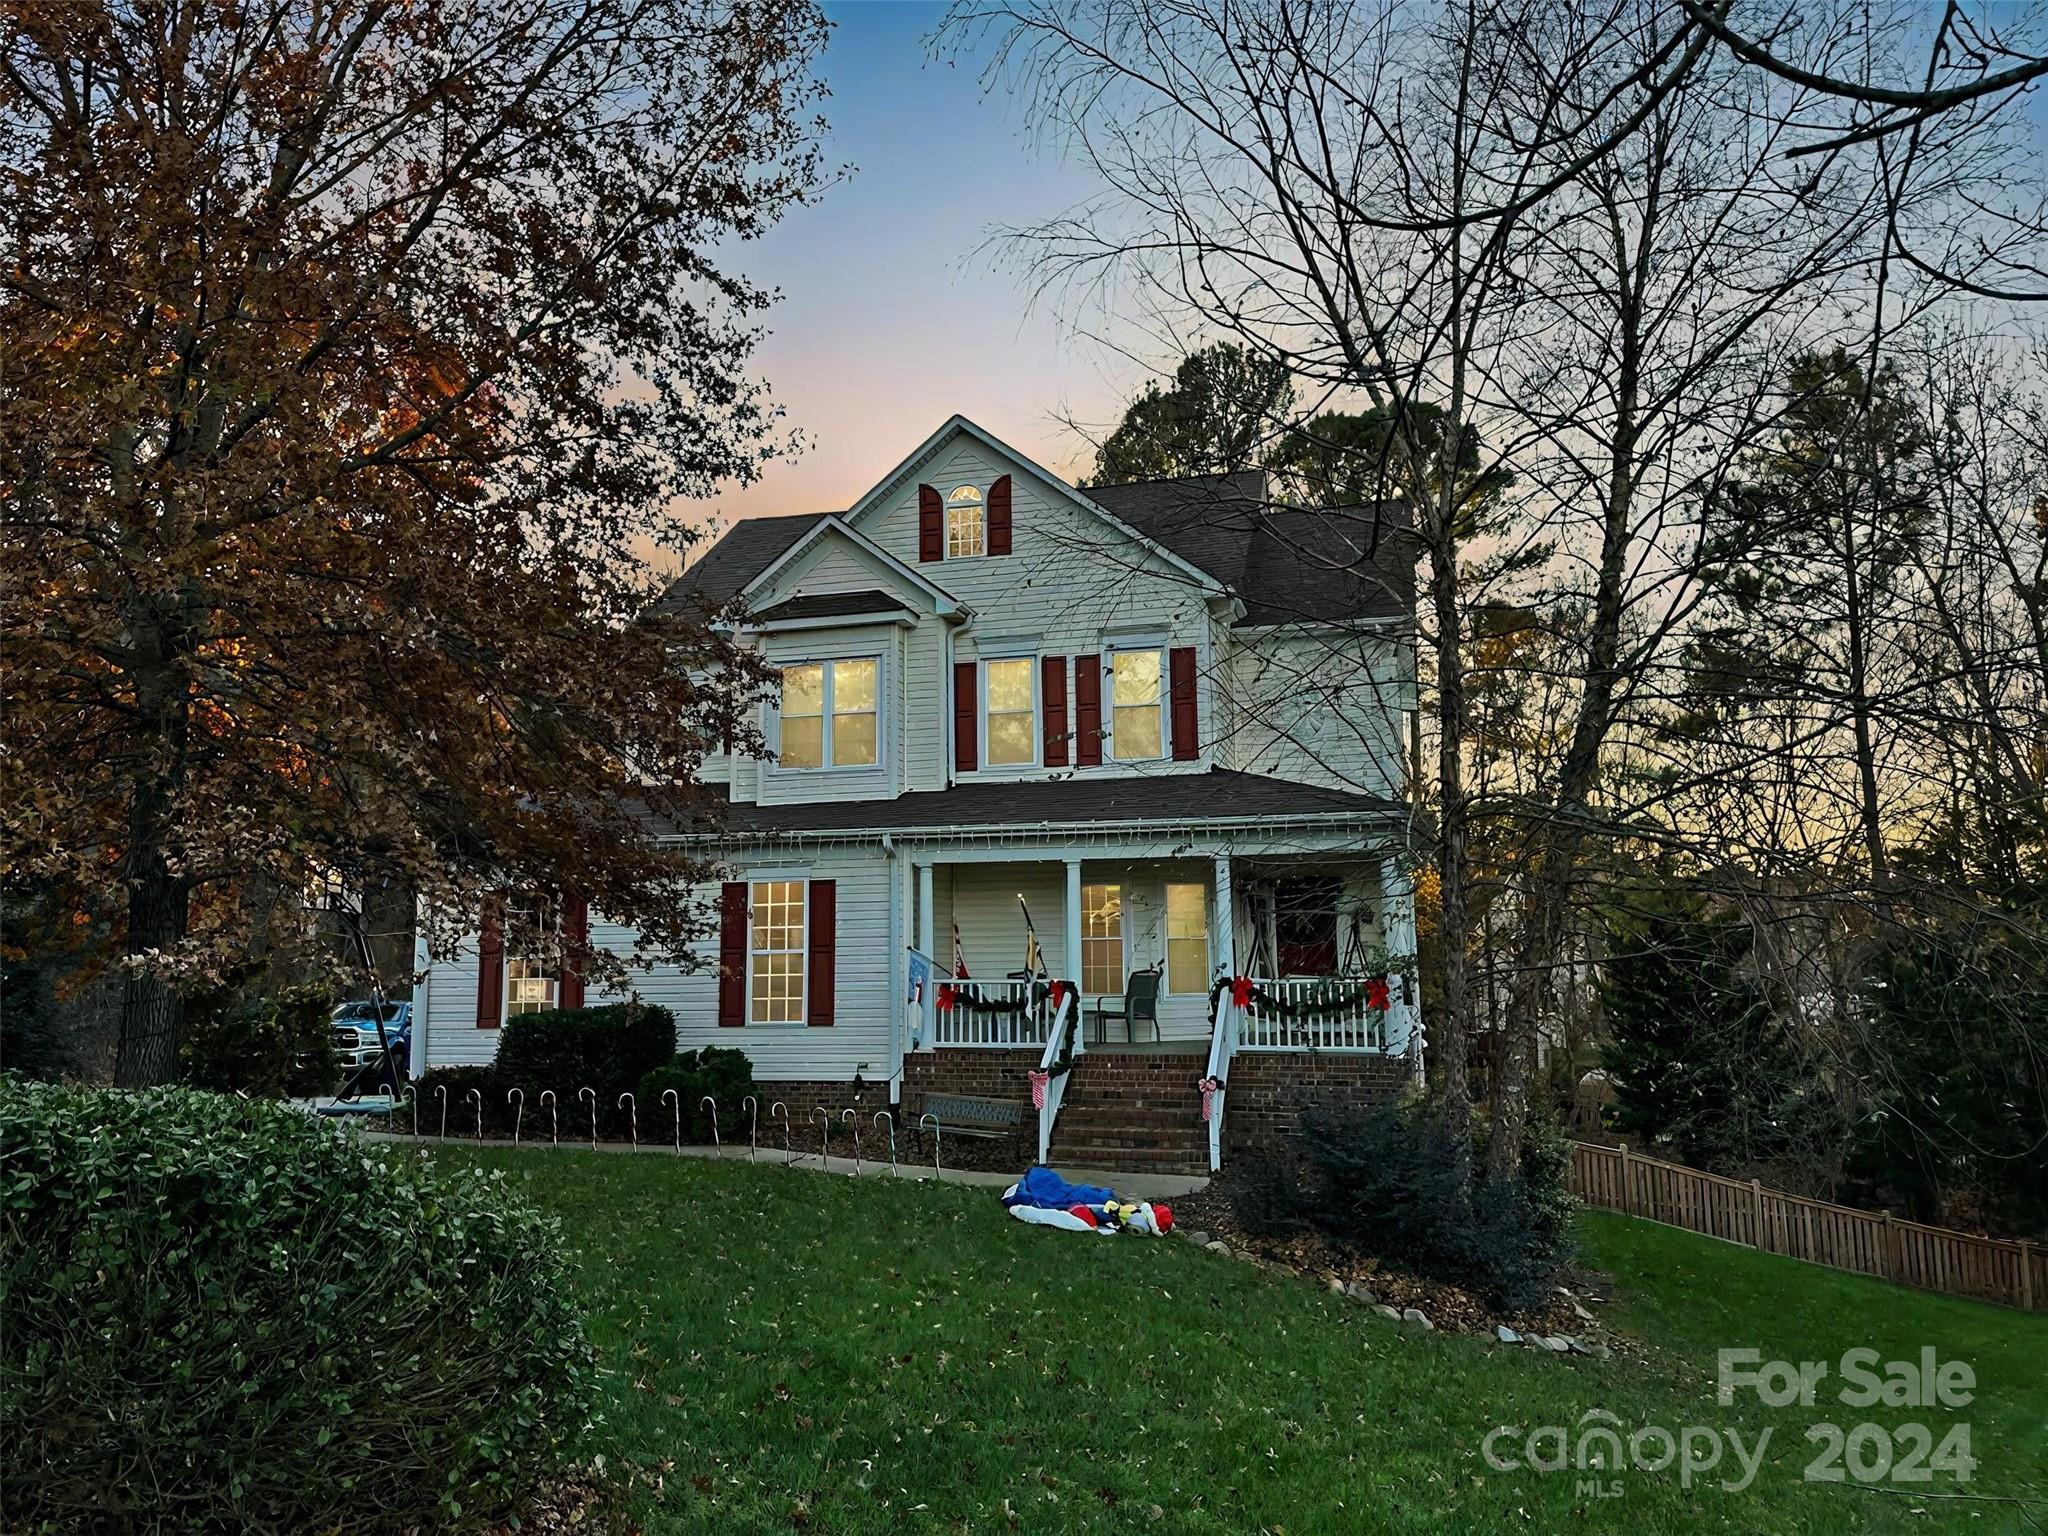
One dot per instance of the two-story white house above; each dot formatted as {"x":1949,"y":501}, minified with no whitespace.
{"x":1138,"y":738}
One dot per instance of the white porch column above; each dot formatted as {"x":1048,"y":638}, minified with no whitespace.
{"x":1223,"y":930}
{"x":1071,"y":939}
{"x":927,"y":1024}
{"x":1397,"y":931}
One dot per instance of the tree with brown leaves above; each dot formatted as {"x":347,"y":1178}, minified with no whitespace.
{"x":352,"y":353}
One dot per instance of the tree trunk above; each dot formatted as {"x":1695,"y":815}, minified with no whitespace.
{"x":1454,"y":1031}
{"x":159,"y":897}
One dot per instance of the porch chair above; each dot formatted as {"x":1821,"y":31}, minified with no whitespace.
{"x":1140,"y":1001}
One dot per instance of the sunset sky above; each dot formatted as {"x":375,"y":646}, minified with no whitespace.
{"x":892,"y":318}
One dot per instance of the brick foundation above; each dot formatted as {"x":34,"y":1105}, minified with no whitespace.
{"x":1270,"y":1089}
{"x":980,"y":1074}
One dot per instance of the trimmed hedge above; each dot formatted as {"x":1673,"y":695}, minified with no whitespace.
{"x":608,"y":1049}
{"x":225,"y":1315}
{"x":725,"y":1074}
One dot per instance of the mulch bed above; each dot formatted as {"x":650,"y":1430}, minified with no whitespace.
{"x":1450,"y":1308}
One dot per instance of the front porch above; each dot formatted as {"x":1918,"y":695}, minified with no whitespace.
{"x":1290,"y":972}
{"x":1319,"y":932}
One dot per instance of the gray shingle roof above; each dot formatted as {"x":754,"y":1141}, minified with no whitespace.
{"x":1220,"y":794}
{"x":1289,"y":565}
{"x":823,"y":605}
{"x":745,"y":550}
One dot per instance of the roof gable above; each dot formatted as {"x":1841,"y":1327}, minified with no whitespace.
{"x":783,"y":574}
{"x":886,"y":489}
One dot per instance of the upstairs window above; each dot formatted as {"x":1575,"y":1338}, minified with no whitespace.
{"x":1012,"y":716}
{"x":1136,"y":729}
{"x":829,"y":712}
{"x":775,"y":952}
{"x":964,"y":523}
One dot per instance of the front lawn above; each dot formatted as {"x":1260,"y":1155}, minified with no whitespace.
{"x":791,"y":1350}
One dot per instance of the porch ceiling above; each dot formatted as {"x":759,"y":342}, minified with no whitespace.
{"x":1220,"y":797}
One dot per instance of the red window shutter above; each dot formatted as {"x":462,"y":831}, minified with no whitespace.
{"x":1052,"y":684}
{"x":822,"y":980}
{"x":999,"y":517}
{"x":1087,"y":711}
{"x":931,"y":524}
{"x":732,"y":955}
{"x":1187,"y":744}
{"x":575,"y":942}
{"x":966,"y":750}
{"x":490,"y":967}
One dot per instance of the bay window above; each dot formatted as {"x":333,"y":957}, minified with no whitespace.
{"x":829,"y":714}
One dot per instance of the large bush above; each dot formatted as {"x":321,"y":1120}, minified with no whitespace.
{"x":726,"y":1075}
{"x":224,"y":1315}
{"x":608,"y":1049}
{"x":1389,"y":1183}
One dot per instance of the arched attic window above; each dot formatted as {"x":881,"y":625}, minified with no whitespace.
{"x":964,"y":522}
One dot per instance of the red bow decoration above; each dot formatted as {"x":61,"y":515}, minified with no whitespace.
{"x":1376,"y":993}
{"x":1241,"y":992}
{"x":1058,"y":993}
{"x":1040,"y":1080}
{"x":944,"y":1002}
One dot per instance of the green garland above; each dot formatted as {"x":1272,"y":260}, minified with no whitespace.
{"x":1318,"y":1006}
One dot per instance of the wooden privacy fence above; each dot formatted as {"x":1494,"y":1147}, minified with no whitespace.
{"x":2013,"y":1274}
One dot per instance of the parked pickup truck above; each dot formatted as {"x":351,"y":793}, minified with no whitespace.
{"x":355,"y":1035}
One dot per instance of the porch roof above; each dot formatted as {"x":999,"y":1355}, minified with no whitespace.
{"x":1220,"y":796}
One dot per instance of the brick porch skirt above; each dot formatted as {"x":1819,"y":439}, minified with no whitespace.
{"x":1270,"y":1089}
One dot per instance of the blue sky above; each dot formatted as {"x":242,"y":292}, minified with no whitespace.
{"x":892,"y":317}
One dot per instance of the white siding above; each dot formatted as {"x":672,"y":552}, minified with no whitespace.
{"x":1072,"y":586}
{"x":1319,"y":708}
{"x":859,"y":1041}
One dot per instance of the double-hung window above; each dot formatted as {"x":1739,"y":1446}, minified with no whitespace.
{"x":1137,"y":703}
{"x":775,"y":952}
{"x":1187,"y":938}
{"x":965,"y":525}
{"x":530,"y":980}
{"x":829,"y":713}
{"x":1009,"y":688}
{"x":1102,"y":940}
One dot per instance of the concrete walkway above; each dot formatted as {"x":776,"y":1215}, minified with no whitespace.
{"x":1134,"y":1186}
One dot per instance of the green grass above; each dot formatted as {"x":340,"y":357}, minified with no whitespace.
{"x":795,"y":1351}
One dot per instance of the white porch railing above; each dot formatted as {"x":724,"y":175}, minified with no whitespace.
{"x":986,"y":1014}
{"x":1222,"y":1044}
{"x":1065,"y":1035}
{"x":1324,"y":1014}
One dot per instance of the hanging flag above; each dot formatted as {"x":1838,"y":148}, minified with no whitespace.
{"x":959,"y":955}
{"x":920,"y":977}
{"x":1034,"y":957}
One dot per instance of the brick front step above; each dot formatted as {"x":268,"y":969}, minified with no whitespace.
{"x":1131,"y":1159}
